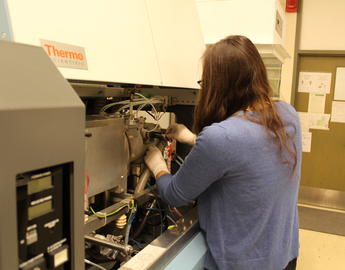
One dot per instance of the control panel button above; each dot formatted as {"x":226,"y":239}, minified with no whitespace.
{"x":57,"y":257}
{"x":38,"y":263}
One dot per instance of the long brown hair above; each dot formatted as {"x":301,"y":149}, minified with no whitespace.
{"x":234,"y":79}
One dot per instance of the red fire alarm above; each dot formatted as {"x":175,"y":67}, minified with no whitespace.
{"x":291,"y":6}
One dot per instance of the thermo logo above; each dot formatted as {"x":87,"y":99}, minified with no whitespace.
{"x":65,"y":55}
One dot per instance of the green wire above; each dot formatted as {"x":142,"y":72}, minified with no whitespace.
{"x":130,"y":206}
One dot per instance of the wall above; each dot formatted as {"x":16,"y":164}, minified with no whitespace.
{"x":322,"y":25}
{"x":322,"y":28}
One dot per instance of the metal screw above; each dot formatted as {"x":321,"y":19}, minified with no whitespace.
{"x":3,"y":35}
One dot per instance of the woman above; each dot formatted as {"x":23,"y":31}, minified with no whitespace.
{"x":244,"y":168}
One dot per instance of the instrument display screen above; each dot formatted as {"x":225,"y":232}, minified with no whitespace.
{"x":40,"y":209}
{"x":40,"y":184}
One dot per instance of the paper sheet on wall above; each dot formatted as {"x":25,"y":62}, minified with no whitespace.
{"x":306,"y":141}
{"x":338,"y":112}
{"x":316,"y":103}
{"x":339,"y":88}
{"x":314,"y":121}
{"x":319,"y":121}
{"x":314,"y":82}
{"x":304,"y":121}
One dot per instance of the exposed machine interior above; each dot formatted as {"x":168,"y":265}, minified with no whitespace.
{"x":123,"y":212}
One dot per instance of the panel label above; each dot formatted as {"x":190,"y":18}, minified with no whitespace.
{"x":65,"y":55}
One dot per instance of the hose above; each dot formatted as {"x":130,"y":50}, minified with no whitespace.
{"x":142,"y":224}
{"x":94,"y":264}
{"x":145,"y":176}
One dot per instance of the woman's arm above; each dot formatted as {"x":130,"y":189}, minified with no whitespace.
{"x":205,"y":164}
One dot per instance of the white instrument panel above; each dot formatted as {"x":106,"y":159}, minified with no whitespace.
{"x":117,"y":36}
{"x":178,"y":39}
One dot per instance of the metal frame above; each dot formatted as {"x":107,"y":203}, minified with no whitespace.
{"x":178,"y":96}
{"x":321,"y":219}
{"x":320,"y":197}
{"x":296,"y":54}
{"x":94,"y":223}
{"x":169,"y":244}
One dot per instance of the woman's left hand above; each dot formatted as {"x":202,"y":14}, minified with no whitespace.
{"x":155,"y":161}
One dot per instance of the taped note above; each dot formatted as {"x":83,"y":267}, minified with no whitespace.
{"x":339,"y":88}
{"x":306,"y":141}
{"x":338,"y":112}
{"x":314,"y":82}
{"x":316,"y":103}
{"x":304,"y":121}
{"x":319,"y":121}
{"x":314,"y":121}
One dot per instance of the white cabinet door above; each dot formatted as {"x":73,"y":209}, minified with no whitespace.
{"x":115,"y":34}
{"x":178,"y":41}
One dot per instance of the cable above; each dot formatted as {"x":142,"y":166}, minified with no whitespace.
{"x":94,"y":264}
{"x":131,"y":206}
{"x":130,"y":221}
{"x":161,"y":216}
{"x":143,"y":102}
{"x":111,"y":213}
{"x":124,"y":102}
{"x":149,"y":102}
{"x":171,"y":219}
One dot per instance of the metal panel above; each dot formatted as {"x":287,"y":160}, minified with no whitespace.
{"x":42,"y":122}
{"x":322,"y":210}
{"x":322,"y":197}
{"x":93,"y":223}
{"x":164,"y":249}
{"x":321,"y":219}
{"x":106,"y":155}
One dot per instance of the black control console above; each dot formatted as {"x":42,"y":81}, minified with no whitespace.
{"x":43,"y":214}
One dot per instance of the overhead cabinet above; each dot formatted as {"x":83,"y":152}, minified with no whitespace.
{"x":263,"y":22}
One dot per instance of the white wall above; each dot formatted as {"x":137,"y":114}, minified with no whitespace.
{"x":322,"y":28}
{"x":323,"y":25}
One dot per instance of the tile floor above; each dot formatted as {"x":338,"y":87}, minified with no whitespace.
{"x":321,"y":251}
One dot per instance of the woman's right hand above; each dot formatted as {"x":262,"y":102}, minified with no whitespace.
{"x":181,"y":134}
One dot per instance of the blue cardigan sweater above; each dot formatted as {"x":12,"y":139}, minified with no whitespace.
{"x":246,"y":193}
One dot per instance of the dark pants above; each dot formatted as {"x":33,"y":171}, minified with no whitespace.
{"x":292,"y":265}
